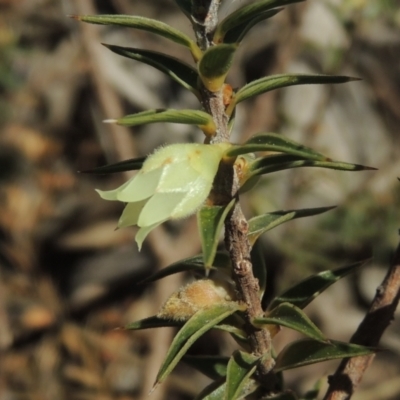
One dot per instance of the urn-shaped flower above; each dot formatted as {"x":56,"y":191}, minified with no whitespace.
{"x":173,"y":183}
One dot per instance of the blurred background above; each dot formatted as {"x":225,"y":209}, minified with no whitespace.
{"x":68,"y":279}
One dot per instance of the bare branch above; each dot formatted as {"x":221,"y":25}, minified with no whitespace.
{"x":350,"y":372}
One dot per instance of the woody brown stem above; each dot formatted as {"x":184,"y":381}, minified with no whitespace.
{"x":350,"y":372}
{"x":236,"y":242}
{"x":226,"y":187}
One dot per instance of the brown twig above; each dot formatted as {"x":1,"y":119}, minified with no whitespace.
{"x":226,"y":186}
{"x":350,"y":372}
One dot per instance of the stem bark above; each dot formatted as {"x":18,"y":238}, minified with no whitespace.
{"x":226,"y":187}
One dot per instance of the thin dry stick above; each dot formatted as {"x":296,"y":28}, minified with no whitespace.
{"x":350,"y":372}
{"x":226,"y":187}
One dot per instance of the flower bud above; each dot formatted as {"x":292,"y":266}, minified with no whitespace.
{"x":196,"y":296}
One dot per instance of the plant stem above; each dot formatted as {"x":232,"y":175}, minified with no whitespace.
{"x":205,"y":20}
{"x":350,"y":372}
{"x":236,"y":242}
{"x":226,"y":187}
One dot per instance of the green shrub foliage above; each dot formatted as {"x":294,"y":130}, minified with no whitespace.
{"x":182,"y":179}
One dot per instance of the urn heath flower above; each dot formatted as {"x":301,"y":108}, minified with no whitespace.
{"x":173,"y":183}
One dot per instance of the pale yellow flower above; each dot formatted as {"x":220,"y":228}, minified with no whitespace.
{"x":173,"y":183}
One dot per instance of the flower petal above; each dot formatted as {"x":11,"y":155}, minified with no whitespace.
{"x":141,"y":187}
{"x":177,"y":178}
{"x":194,"y":198}
{"x":131,"y":213}
{"x":112,"y":194}
{"x":159,"y":208}
{"x":143,"y":232}
{"x":171,"y":154}
{"x":205,"y":158}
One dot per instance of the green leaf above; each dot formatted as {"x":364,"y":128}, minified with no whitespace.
{"x":152,"y":322}
{"x":238,"y":334}
{"x":236,"y":34}
{"x":212,"y":366}
{"x":210,"y":221}
{"x":178,"y":70}
{"x":241,"y":367}
{"x":214,"y":391}
{"x":193,"y":117}
{"x":308,"y":351}
{"x":215,"y":64}
{"x":259,"y":267}
{"x":126,"y":165}
{"x":146,"y":24}
{"x":263,"y":223}
{"x":157,"y":322}
{"x":272,"y":82}
{"x":217,"y":389}
{"x":273,"y":160}
{"x":292,"y":317}
{"x":246,"y":14}
{"x":194,"y":328}
{"x":269,"y":164}
{"x":275,"y":142}
{"x":194,"y":264}
{"x":307,"y":290}
{"x":228,"y":325}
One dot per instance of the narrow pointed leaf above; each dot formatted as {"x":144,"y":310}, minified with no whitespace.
{"x":263,"y":223}
{"x":259,"y":267}
{"x":238,"y":334}
{"x":275,"y":142}
{"x":210,"y":221}
{"x":195,"y":327}
{"x":241,"y":367}
{"x":291,"y":317}
{"x":272,"y":82}
{"x":214,"y":367}
{"x":127,"y":165}
{"x":193,"y":264}
{"x":272,"y":160}
{"x":151,"y":322}
{"x":157,"y":322}
{"x":308,"y":351}
{"x":237,"y":34}
{"x":215,"y":64}
{"x":143,"y":23}
{"x":245,"y":14}
{"x":217,"y":389}
{"x":307,"y":290}
{"x":336,"y":165}
{"x":191,"y":117}
{"x":178,"y":70}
